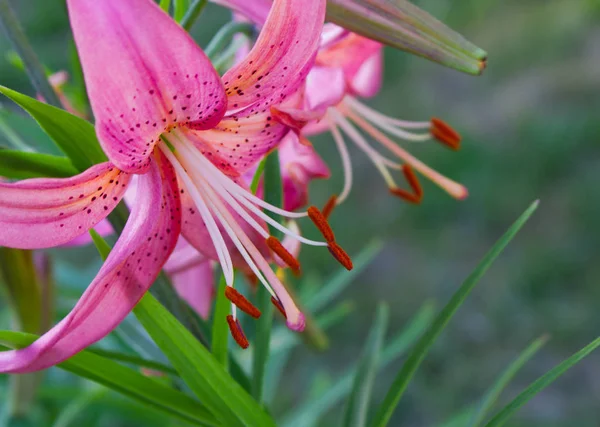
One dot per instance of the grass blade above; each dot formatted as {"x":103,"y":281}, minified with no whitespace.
{"x":358,"y":402}
{"x":494,"y":392}
{"x":205,"y":376}
{"x":220,"y":333}
{"x":307,"y":413}
{"x":133,"y":360}
{"x":421,"y":349}
{"x":16,"y":164}
{"x":540,"y":384}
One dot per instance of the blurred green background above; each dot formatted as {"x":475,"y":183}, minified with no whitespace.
{"x":531,"y":128}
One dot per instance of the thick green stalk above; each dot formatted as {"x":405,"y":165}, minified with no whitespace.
{"x":33,"y":66}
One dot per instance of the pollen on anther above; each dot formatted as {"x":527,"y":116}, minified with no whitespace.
{"x":237,"y":333}
{"x":241,"y":302}
{"x":444,"y":133}
{"x":340,"y":255}
{"x":321,"y":223}
{"x":280,"y":250}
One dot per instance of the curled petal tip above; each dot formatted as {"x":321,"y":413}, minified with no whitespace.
{"x":297,"y":324}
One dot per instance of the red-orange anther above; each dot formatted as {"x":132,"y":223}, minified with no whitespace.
{"x":279,"y":307}
{"x":340,"y":255}
{"x":329,"y":206}
{"x":241,"y":302}
{"x":237,"y":333}
{"x":321,"y":223}
{"x":276,"y":246}
{"x":444,"y":133}
{"x":417,"y":195}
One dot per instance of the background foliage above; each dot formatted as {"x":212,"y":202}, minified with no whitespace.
{"x":530,"y":127}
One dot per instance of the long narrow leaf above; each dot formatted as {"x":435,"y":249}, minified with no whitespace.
{"x":133,"y":360}
{"x":16,"y":164}
{"x":205,"y":376}
{"x":220,"y":334}
{"x":422,"y":348}
{"x":540,"y":384}
{"x":494,"y":392}
{"x":124,"y":380}
{"x":73,"y":135}
{"x":306,"y":414}
{"x":358,"y":402}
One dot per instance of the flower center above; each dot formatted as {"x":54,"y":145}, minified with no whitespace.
{"x":217,"y":198}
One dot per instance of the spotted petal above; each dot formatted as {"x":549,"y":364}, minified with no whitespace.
{"x":143,"y":73}
{"x":41,"y":213}
{"x":139,"y":254}
{"x":280,"y":59}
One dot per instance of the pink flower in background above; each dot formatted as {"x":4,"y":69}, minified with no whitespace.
{"x":164,"y":115}
{"x":349,"y":66}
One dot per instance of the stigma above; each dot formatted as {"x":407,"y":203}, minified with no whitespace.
{"x":218,"y":198}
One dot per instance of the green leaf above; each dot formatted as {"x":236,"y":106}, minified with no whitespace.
{"x":541,"y":383}
{"x":335,"y":285}
{"x":179,"y":9}
{"x":124,"y":380}
{"x":133,"y":360}
{"x":358,"y":402}
{"x":417,"y":355}
{"x":77,"y":406}
{"x":205,"y":376}
{"x":220,"y":331}
{"x":308,"y":413}
{"x":33,"y":66}
{"x":193,"y":13}
{"x":257,"y":176}
{"x":73,"y":135}
{"x":165,"y":5}
{"x":490,"y":397}
{"x":23,"y":165}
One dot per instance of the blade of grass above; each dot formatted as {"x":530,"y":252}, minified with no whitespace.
{"x":262,"y":340}
{"x":336,"y":284}
{"x":360,"y":396}
{"x":417,"y":355}
{"x":179,"y":9}
{"x":205,"y":376}
{"x":490,"y":397}
{"x":33,"y":66}
{"x":133,"y":360}
{"x":220,"y":331}
{"x":308,"y":413}
{"x":165,"y":5}
{"x":541,"y":383}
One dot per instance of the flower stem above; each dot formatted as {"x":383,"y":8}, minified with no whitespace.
{"x":192,"y":14}
{"x":33,"y":66}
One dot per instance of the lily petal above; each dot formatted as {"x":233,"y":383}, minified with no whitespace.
{"x":42,"y":213}
{"x":280,"y":59}
{"x":196,"y":286}
{"x":300,"y":164}
{"x":143,"y":73}
{"x":368,"y":78}
{"x":145,"y":244}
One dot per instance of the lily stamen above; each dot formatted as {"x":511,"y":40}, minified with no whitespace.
{"x":330,"y":206}
{"x":275,"y":245}
{"x":368,"y":119}
{"x":279,"y":307}
{"x":321,"y":223}
{"x":417,"y":195}
{"x":241,"y":302}
{"x":237,"y":333}
{"x":341,"y":255}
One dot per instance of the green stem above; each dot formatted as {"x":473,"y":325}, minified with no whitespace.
{"x":33,"y":66}
{"x":193,"y":13}
{"x":220,"y":331}
{"x":225,"y":35}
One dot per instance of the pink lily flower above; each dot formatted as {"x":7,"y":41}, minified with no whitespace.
{"x":164,"y":115}
{"x":348,"y":67}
